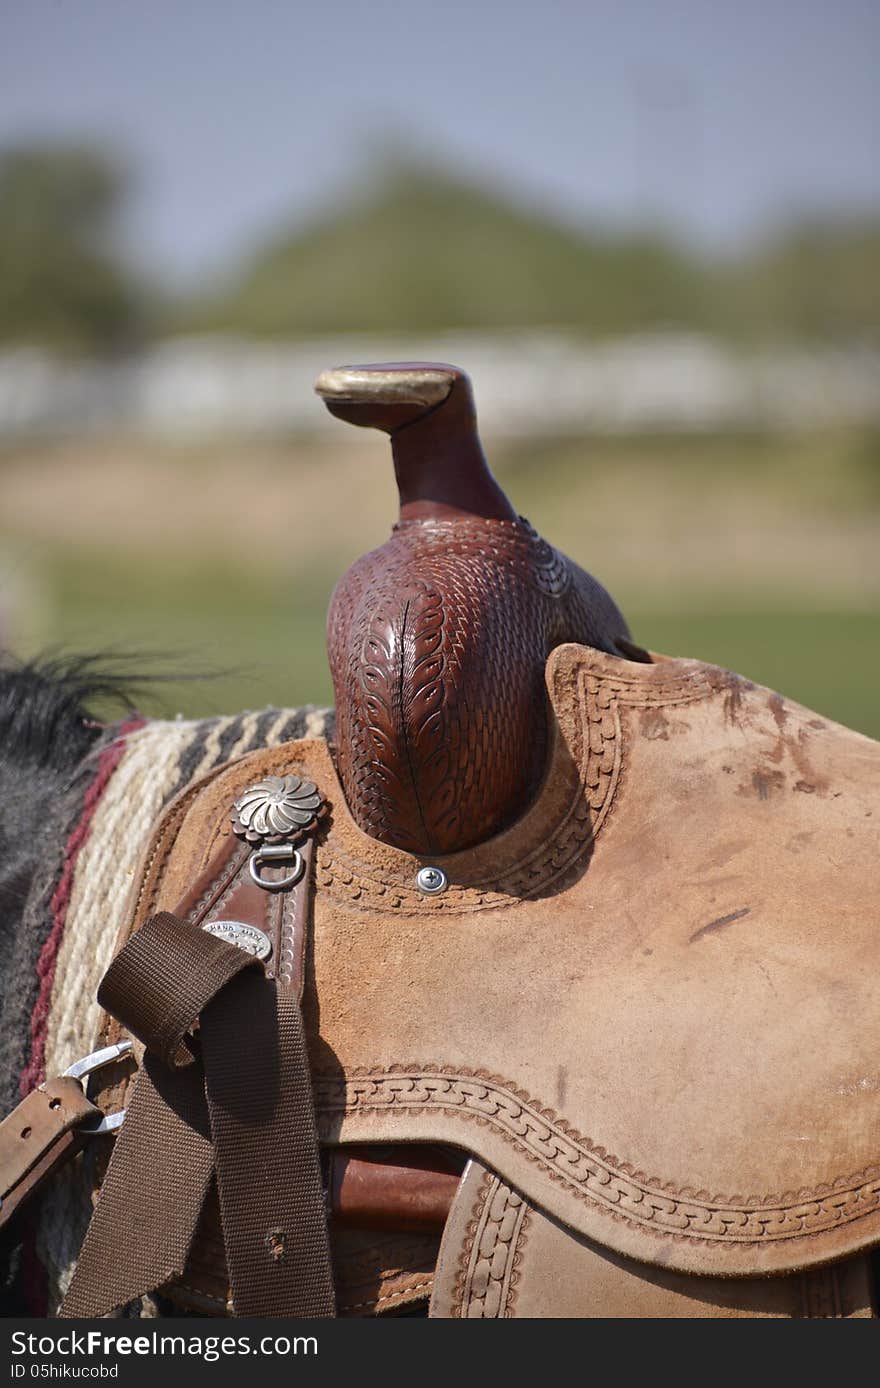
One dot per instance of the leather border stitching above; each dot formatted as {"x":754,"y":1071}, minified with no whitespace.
{"x":485,"y":1286}
{"x":591,"y":1173}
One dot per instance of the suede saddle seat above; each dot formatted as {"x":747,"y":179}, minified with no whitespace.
{"x":648,"y":1008}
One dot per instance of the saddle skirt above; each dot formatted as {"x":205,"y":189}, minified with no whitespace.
{"x":648,"y":1008}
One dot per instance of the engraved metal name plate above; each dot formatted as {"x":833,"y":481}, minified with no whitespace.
{"x":246,"y":937}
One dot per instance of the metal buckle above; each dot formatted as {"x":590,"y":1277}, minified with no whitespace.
{"x":81,"y":1069}
{"x":276,"y":853}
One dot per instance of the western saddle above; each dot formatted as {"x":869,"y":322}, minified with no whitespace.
{"x":547,"y":989}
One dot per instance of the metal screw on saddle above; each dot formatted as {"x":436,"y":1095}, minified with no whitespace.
{"x":431,"y":880}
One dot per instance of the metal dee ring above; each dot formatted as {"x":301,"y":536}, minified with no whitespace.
{"x":276,"y":853}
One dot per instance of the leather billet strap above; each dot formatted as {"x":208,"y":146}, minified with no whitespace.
{"x":40,"y":1134}
{"x":234,"y":1098}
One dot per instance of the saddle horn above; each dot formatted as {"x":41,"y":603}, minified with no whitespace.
{"x":428,"y":410}
{"x":437,"y":640}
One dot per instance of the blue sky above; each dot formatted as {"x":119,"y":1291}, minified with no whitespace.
{"x":720,"y":117}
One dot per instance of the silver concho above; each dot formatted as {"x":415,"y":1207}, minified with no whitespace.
{"x":279,"y":809}
{"x":246,"y":937}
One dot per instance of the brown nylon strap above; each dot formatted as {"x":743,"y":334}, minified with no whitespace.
{"x":152,"y":1195}
{"x":268,"y":1173}
{"x":159,"y":983}
{"x":259,"y":1117}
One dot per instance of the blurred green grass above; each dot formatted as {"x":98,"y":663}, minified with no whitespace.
{"x":829,"y":661}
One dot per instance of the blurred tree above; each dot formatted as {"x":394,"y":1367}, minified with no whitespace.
{"x":60,"y":283}
{"x":815,"y":280}
{"x":419,"y":250}
{"x":425,"y":251}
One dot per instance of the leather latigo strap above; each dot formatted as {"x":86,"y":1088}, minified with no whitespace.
{"x":244,"y":1112}
{"x":407,"y":1189}
{"x":40,"y":1134}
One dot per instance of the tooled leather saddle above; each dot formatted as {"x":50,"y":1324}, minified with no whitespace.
{"x":549,"y":987}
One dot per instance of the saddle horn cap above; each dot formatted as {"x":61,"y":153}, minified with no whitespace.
{"x":404,"y":383}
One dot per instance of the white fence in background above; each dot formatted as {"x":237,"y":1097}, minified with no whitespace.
{"x":526,"y":384}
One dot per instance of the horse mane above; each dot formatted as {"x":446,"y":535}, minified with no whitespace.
{"x":46,"y":735}
{"x":45,"y":723}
